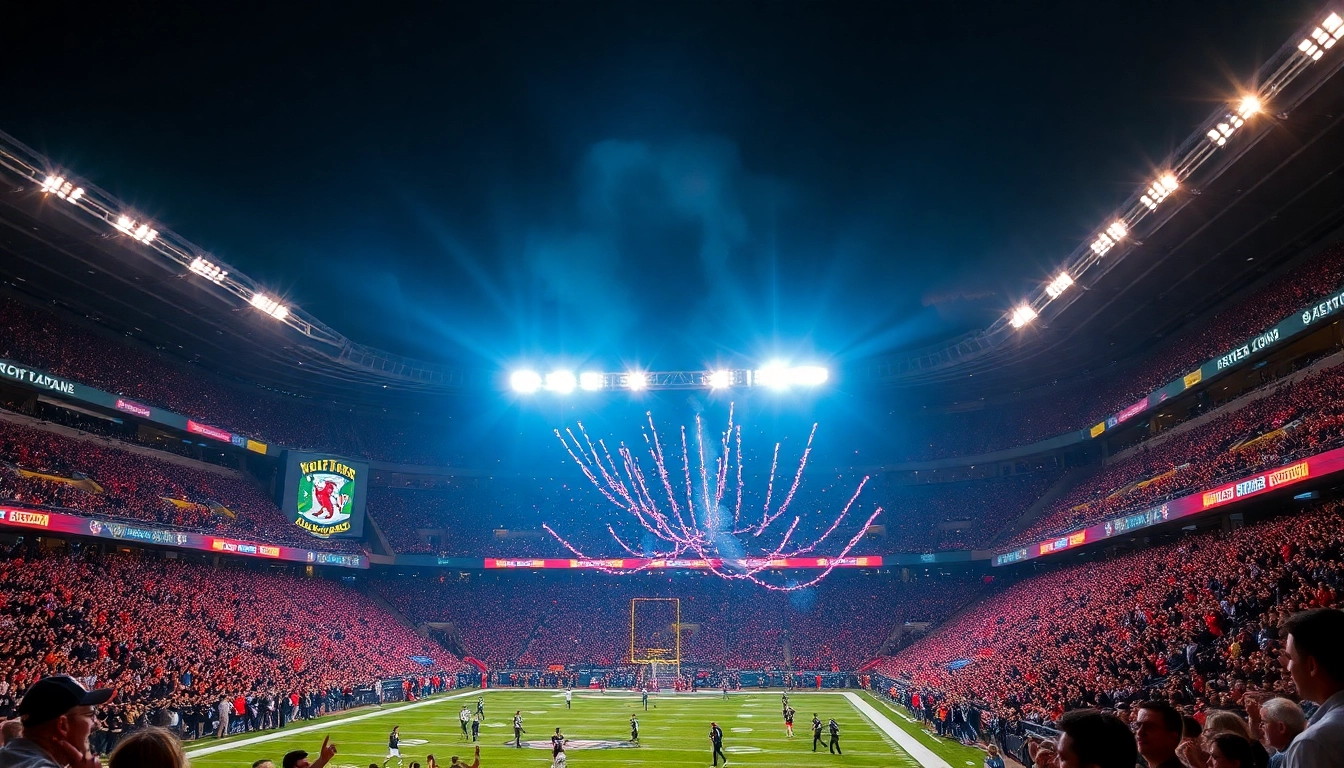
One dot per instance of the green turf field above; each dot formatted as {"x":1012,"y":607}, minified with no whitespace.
{"x":672,"y":733}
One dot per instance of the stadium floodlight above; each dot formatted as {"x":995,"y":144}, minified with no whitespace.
{"x":562,"y":382}
{"x":141,"y":232}
{"x":1059,"y":285}
{"x":526,"y":382}
{"x":209,"y":270}
{"x":1117,"y":230}
{"x":809,"y":375}
{"x":1322,"y":38}
{"x":590,"y":381}
{"x":1160,"y":190}
{"x":59,"y":186}
{"x":1249,"y":105}
{"x":635,"y":380}
{"x":270,"y":306}
{"x":719,"y":379}
{"x":1022,"y":315}
{"x":777,"y":375}
{"x":774,"y":375}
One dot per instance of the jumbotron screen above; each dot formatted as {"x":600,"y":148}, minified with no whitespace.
{"x":324,"y":494}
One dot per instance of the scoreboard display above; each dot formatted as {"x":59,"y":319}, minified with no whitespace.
{"x":324,"y":494}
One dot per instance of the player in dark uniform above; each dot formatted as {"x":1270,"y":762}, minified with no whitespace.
{"x":645,"y":697}
{"x":476,"y":729}
{"x":716,"y":738}
{"x":816,"y":731}
{"x":634,"y":729}
{"x":518,"y":729}
{"x":788,"y":720}
{"x":725,"y":691}
{"x":393,"y":746}
{"x":480,"y":706}
{"x":835,"y":737}
{"x":558,"y":744}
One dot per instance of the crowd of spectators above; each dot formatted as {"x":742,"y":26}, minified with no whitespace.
{"x":1298,"y":419}
{"x":91,"y":476}
{"x":182,"y":637}
{"x":528,"y":620}
{"x":150,"y":377}
{"x":1059,"y":409}
{"x":1196,"y":623}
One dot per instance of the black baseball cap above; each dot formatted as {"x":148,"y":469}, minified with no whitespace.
{"x":51,"y":697}
{"x":292,"y":759}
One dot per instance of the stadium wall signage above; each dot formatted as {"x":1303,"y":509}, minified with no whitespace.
{"x":1306,"y":319}
{"x":1184,"y":506}
{"x":631,"y":563}
{"x":60,"y":522}
{"x":324,"y":494}
{"x":34,"y":378}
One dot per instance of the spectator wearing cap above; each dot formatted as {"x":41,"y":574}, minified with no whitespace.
{"x":1090,"y":739}
{"x":1314,"y":657}
{"x":149,"y":748}
{"x":58,"y":717}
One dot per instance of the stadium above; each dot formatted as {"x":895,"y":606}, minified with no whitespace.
{"x":263,"y":500}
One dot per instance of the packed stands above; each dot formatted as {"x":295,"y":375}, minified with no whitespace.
{"x":1069,"y":407}
{"x":167,"y":633}
{"x":100,"y":477}
{"x":533,"y":620}
{"x":40,"y":339}
{"x":1194,"y":622}
{"x":1298,"y":418}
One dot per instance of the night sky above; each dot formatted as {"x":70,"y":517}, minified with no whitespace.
{"x":668,"y":184}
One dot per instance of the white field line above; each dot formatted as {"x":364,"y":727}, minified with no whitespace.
{"x":922,"y":754}
{"x":287,"y":732}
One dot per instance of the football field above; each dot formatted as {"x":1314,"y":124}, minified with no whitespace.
{"x":673,"y":732}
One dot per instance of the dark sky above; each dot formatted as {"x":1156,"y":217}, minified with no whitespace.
{"x":666,"y":183}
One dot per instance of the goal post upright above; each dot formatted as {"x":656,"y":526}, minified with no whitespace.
{"x":645,"y":653}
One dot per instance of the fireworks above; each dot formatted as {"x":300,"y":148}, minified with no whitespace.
{"x":688,"y":517}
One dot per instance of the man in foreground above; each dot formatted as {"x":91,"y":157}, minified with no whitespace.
{"x":299,"y":759}
{"x":1158,"y":728}
{"x":456,"y":763}
{"x":58,"y":717}
{"x":1314,"y":657}
{"x":1090,"y":739}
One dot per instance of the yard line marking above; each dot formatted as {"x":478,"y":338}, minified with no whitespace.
{"x":922,"y":754}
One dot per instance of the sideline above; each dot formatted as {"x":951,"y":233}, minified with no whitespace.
{"x":922,"y":754}
{"x":326,"y":724}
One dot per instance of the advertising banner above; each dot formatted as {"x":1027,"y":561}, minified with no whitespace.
{"x":46,"y":383}
{"x":1184,"y":506}
{"x":1309,"y":317}
{"x":135,"y":532}
{"x":324,"y":494}
{"x":631,"y":563}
